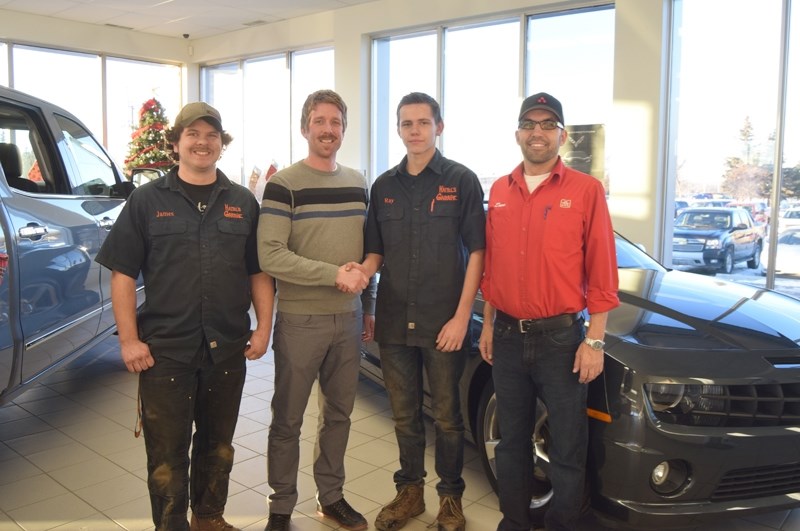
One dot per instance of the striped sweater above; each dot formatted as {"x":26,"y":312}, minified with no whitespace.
{"x":311,"y":223}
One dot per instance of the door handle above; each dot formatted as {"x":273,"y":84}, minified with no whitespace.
{"x":32,"y":231}
{"x":106,"y":223}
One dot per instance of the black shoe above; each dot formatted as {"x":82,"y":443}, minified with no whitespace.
{"x":278,"y":522}
{"x":345,"y":515}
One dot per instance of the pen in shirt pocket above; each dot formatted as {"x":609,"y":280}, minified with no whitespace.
{"x":546,"y":210}
{"x":432,"y":203}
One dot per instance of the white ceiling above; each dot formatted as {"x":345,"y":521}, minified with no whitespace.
{"x":175,"y":18}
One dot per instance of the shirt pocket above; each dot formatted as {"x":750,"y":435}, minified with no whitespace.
{"x":444,"y":223}
{"x":169,"y":238}
{"x":563,"y":231}
{"x":391,"y":219}
{"x":232,"y":240}
{"x":504,"y":226}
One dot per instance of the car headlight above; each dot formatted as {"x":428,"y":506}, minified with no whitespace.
{"x":694,"y":405}
{"x":712,"y":244}
{"x":664,"y":396}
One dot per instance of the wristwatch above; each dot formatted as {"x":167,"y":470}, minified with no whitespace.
{"x":596,"y":344}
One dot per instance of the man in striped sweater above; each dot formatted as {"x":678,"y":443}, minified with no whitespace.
{"x":311,"y":225}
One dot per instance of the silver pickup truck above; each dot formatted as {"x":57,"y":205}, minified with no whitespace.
{"x":60,"y":193}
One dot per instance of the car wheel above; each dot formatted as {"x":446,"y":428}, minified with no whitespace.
{"x":488,"y":436}
{"x":755,"y":261}
{"x":727,"y":262}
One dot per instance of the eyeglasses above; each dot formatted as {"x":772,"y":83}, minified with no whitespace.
{"x":546,"y":125}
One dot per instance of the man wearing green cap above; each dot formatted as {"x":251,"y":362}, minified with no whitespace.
{"x":192,"y":236}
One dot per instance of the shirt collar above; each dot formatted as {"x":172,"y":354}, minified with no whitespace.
{"x":556,"y":177}
{"x":171,"y":180}
{"x":435,"y":165}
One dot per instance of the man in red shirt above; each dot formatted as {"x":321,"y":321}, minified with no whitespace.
{"x":550,"y":256}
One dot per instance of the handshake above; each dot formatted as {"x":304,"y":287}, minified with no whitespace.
{"x":352,"y":278}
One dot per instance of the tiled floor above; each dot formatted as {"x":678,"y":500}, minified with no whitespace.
{"x":69,"y":461}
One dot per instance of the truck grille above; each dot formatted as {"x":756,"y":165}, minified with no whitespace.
{"x":688,"y":245}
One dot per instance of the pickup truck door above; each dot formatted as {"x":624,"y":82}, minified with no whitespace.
{"x":745,"y":238}
{"x":53,"y":234}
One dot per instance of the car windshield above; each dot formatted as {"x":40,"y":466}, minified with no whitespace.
{"x":703,"y":220}
{"x":631,"y":256}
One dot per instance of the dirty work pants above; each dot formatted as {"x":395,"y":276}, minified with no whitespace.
{"x":173,"y":395}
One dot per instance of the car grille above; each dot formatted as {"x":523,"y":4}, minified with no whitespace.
{"x":759,"y":482}
{"x":738,"y":406}
{"x":689,"y":246}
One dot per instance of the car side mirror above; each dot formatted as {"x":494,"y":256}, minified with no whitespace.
{"x":122,"y":189}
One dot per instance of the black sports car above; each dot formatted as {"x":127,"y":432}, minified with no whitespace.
{"x":696,"y":416}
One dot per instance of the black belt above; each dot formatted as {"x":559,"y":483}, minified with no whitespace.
{"x":538,"y":325}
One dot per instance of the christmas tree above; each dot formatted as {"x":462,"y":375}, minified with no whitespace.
{"x":148,"y":147}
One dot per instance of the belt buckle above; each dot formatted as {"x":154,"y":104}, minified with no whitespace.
{"x":524,"y":325}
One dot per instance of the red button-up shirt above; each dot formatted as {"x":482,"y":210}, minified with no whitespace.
{"x":552,"y":251}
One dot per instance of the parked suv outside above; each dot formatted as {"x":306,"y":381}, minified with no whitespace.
{"x":715,"y":238}
{"x":60,"y":194}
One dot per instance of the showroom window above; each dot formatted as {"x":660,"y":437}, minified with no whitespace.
{"x":285,"y":80}
{"x":311,"y":71}
{"x":129,"y":85}
{"x":46,"y":74}
{"x":483,"y":79}
{"x":3,"y":64}
{"x":724,"y":126}
{"x":42,"y":72}
{"x":402,"y":64}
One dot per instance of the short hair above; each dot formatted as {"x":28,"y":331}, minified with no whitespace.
{"x":421,"y":97}
{"x":322,"y":96}
{"x":173,"y":135}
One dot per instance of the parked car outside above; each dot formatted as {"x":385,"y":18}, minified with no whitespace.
{"x":758,"y":209}
{"x":789,"y":218}
{"x":787,"y":257}
{"x":60,"y":194}
{"x":696,"y":414}
{"x":716,"y":238}
{"x":679,"y":204}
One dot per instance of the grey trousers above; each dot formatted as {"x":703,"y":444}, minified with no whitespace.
{"x":308,"y":347}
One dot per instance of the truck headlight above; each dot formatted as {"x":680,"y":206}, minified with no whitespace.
{"x":712,"y":244}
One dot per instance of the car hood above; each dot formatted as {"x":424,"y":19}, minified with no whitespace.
{"x":696,"y":233}
{"x":687,"y":312}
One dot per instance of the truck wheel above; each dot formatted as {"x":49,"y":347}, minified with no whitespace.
{"x":727,"y":262}
{"x":755,"y":261}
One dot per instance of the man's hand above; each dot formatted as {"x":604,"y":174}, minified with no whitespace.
{"x":485,"y":344}
{"x":136,"y":355}
{"x":588,"y":363}
{"x":368,"y":332}
{"x":257,"y":345}
{"x":452,"y":334}
{"x":351,"y":278}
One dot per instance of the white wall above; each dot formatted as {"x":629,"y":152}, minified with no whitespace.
{"x":635,"y":144}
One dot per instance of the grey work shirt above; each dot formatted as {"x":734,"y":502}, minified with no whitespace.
{"x":196,"y":266}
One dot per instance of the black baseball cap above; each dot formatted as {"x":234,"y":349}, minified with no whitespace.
{"x":542,"y":100}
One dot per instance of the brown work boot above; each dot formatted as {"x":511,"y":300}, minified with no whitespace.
{"x":212,"y":523}
{"x":408,"y":503}
{"x":451,"y":516}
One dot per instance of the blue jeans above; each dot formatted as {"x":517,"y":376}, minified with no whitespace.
{"x":402,"y":374}
{"x":527,"y":367}
{"x":173,"y":395}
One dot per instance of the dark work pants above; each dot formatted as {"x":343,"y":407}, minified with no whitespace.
{"x":173,"y":396}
